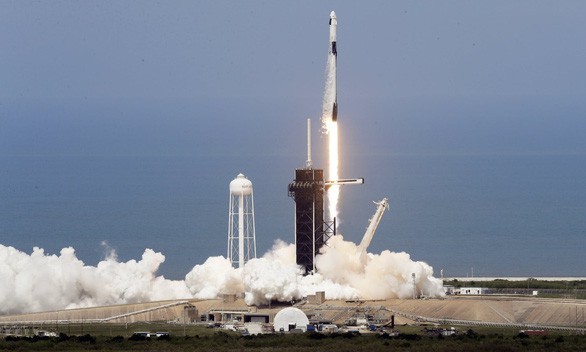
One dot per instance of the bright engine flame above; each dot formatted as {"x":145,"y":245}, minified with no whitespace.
{"x":334,"y":190}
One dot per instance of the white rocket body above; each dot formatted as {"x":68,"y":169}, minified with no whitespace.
{"x":330,"y":101}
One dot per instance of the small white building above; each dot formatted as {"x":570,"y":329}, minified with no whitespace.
{"x":471,"y":291}
{"x":290,"y":318}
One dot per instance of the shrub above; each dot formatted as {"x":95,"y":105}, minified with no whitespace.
{"x":316,"y":336}
{"x":522,"y":335}
{"x":116,"y":339}
{"x":87,"y":338}
{"x":63,"y":337}
{"x":384,"y":335}
{"x":471,"y":334}
{"x":350,"y":334}
{"x":409,"y":337}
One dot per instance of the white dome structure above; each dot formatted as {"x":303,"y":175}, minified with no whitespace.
{"x":241,"y":229}
{"x":290,"y":318}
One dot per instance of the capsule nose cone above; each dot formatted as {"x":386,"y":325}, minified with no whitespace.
{"x":333,"y":15}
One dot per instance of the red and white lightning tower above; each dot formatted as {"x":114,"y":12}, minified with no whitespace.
{"x":241,"y":230}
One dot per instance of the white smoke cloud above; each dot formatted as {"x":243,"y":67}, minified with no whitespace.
{"x":214,"y":277}
{"x":40,"y":282}
{"x":376,"y":276}
{"x":275,"y":276}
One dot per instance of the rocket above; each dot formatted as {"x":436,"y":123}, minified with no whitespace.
{"x":330,"y":101}
{"x":334,"y":52}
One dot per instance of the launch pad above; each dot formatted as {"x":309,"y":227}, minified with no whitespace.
{"x":312,"y":230}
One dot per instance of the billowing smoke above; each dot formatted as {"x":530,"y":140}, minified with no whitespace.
{"x":40,"y":282}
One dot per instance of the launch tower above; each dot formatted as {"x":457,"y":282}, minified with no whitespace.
{"x":310,"y":229}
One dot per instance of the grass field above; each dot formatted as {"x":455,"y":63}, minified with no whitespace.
{"x":108,"y":337}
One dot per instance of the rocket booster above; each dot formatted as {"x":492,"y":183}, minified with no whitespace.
{"x":330,"y":102}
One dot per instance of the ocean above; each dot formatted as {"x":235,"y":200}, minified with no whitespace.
{"x":493,"y":215}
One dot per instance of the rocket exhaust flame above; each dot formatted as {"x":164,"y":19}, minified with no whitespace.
{"x":333,"y":192}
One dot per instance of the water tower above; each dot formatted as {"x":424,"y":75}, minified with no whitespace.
{"x":241,"y":231}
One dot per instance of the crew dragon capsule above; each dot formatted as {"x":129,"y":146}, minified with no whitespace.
{"x":333,"y":24}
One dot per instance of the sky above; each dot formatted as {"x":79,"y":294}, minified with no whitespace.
{"x":233,"y":78}
{"x":151,"y":77}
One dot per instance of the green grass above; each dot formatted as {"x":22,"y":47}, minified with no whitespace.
{"x":126,"y":331}
{"x":107,"y":337}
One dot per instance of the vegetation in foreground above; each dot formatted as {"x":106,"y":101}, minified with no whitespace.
{"x":413,"y":339}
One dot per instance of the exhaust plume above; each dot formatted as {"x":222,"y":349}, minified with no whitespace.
{"x":41,"y":282}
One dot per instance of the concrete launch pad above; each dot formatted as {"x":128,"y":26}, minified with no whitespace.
{"x":502,"y":311}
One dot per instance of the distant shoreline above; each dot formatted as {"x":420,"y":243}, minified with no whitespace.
{"x":516,"y":278}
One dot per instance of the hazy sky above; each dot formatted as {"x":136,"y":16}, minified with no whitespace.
{"x":236,"y":81}
{"x":189,"y":77}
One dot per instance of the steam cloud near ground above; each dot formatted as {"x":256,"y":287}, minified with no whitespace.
{"x":40,"y":282}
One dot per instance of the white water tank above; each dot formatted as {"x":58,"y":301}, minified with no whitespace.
{"x":241,"y":186}
{"x":241,"y":228}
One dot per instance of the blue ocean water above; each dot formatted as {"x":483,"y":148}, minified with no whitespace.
{"x":495,"y":215}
